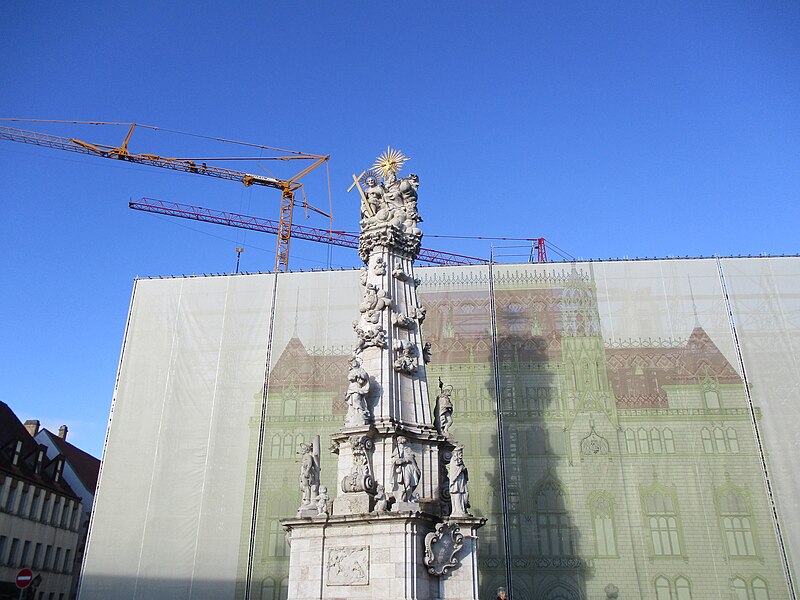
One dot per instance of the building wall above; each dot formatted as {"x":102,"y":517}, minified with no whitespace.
{"x":633,"y":454}
{"x":40,"y":530}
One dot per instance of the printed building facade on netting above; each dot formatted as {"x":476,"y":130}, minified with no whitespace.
{"x":630,"y":460}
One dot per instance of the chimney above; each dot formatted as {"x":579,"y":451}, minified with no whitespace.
{"x":62,"y":432}
{"x":32,"y":425}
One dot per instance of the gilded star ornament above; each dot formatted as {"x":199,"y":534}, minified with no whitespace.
{"x":390,"y":162}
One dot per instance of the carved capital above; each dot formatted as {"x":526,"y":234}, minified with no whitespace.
{"x":391,"y":235}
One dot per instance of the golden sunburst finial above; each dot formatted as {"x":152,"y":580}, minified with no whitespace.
{"x":390,"y":162}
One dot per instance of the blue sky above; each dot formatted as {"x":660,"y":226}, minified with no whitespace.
{"x":622,"y":129}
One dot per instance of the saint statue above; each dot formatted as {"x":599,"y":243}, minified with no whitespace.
{"x":458,"y":476}
{"x":406,"y":471}
{"x":356,"y":395}
{"x":444,"y":409}
{"x":309,"y":475}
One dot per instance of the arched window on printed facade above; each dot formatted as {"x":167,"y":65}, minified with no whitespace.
{"x":275,"y":451}
{"x":669,"y":441}
{"x":284,"y":589}
{"x":644,"y":443}
{"x":760,"y":589}
{"x":734,"y":512}
{"x":655,"y":439}
{"x":288,"y":446}
{"x":630,"y":441}
{"x":682,"y":589}
{"x":708,"y":446}
{"x":663,"y":589}
{"x":552,"y":519}
{"x":740,"y":589}
{"x":733,"y":440}
{"x":662,"y":521}
{"x":711,"y":398}
{"x":276,"y":544}
{"x":719,"y":440}
{"x":268,"y":589}
{"x":602,"y":509}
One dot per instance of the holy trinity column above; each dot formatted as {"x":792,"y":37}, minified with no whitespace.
{"x":402,"y":496}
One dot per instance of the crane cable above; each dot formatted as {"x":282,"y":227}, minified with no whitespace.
{"x":155,"y":128}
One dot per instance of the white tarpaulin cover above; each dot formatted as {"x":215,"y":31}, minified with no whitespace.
{"x":628,"y":426}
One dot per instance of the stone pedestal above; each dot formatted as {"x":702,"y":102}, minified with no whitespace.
{"x":462,"y":581}
{"x":377,"y":556}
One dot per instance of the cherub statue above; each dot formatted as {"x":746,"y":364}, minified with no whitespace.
{"x":369,"y":337}
{"x":374,"y":299}
{"x":381,"y":501}
{"x":322,"y":500}
{"x":398,"y":273}
{"x":404,"y":361}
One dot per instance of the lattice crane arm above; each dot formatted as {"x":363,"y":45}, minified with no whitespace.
{"x":288,"y":187}
{"x":121,"y":153}
{"x":313,"y":234}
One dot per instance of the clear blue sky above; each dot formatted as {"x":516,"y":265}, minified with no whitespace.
{"x":611,"y":129}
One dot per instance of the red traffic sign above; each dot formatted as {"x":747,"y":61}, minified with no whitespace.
{"x":24,"y":578}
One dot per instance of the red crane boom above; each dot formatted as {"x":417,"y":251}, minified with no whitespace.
{"x":337,"y":238}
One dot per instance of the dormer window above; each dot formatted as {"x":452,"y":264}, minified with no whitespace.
{"x":59,"y":469}
{"x":16,"y":453}
{"x":40,"y":454}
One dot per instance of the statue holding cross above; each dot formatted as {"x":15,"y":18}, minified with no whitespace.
{"x":387,"y":198}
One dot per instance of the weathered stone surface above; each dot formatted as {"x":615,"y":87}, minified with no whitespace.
{"x":352,"y":504}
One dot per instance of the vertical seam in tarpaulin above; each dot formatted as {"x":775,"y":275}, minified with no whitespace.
{"x":754,"y":422}
{"x":500,"y":441}
{"x":623,"y":458}
{"x":158,"y":437}
{"x":108,"y":433}
{"x":210,"y":434}
{"x":260,"y":448}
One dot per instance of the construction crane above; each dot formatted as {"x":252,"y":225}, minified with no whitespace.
{"x":337,"y":238}
{"x":288,"y":187}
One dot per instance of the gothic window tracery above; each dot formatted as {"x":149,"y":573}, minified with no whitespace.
{"x":756,"y":590}
{"x":630,"y":441}
{"x":669,"y":441}
{"x":268,"y":589}
{"x":644,"y":442}
{"x":275,"y":450}
{"x":552,"y":520}
{"x":681,"y":589}
{"x":711,"y":398}
{"x":663,"y":589}
{"x":655,"y":441}
{"x":719,"y":440}
{"x":276,"y":543}
{"x":661,"y":514}
{"x":602,"y":508}
{"x":736,"y":521}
